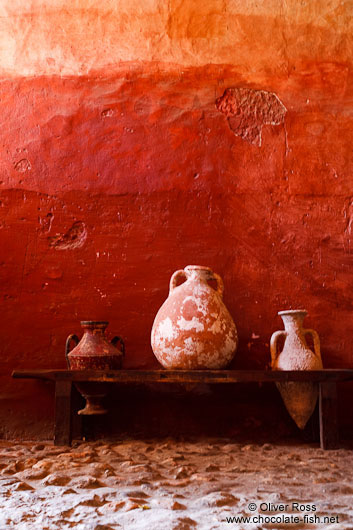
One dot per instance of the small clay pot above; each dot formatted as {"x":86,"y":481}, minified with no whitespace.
{"x":94,"y":352}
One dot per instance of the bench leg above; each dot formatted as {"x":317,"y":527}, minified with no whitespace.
{"x":62,"y":430}
{"x":328,"y":415}
{"x":77,"y":403}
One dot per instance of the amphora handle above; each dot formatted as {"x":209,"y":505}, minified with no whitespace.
{"x":316,"y":340}
{"x":273,"y":345}
{"x":177,"y":275}
{"x":115,"y":341}
{"x":71,"y":338}
{"x":220,"y":284}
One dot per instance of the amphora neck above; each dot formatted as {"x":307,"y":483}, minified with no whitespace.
{"x":293,"y":319}
{"x":198,"y":273}
{"x":94,"y":327}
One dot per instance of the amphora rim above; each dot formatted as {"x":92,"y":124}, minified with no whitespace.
{"x":293,"y":312}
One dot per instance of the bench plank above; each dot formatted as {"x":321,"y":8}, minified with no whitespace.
{"x":187,"y":376}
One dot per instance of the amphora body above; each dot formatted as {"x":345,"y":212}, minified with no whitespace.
{"x":193,"y":329}
{"x":299,"y":398}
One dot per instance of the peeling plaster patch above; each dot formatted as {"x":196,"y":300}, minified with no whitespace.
{"x":166,"y":330}
{"x":249,"y":110}
{"x":186,"y":325}
{"x":229,"y":345}
{"x":107,"y":113}
{"x":194,"y":304}
{"x":74,"y":238}
{"x":191,"y":345}
{"x":188,"y":308}
{"x":218,"y":326}
{"x":23,"y":165}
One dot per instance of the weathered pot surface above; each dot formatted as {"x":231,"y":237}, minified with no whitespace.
{"x":299,"y":398}
{"x":94,"y":352}
{"x":193,"y":329}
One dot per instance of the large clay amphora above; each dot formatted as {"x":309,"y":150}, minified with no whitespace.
{"x":299,"y":398}
{"x":193,"y":329}
{"x":94,"y":352}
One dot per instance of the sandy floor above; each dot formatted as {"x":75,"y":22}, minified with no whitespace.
{"x":164,"y":485}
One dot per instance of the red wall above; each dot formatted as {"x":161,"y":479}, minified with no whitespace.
{"x":111,"y":181}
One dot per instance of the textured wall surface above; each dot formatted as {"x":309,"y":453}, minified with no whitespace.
{"x":140,"y":137}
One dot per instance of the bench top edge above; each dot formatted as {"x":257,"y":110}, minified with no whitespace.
{"x":330,"y":374}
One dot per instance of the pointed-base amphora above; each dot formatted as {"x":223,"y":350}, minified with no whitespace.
{"x":299,"y":398}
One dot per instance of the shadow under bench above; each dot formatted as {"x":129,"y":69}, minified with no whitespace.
{"x":65,"y":409}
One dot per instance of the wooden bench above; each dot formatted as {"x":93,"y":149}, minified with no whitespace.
{"x":64,"y":379}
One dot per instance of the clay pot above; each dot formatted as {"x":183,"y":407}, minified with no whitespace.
{"x":94,"y":352}
{"x":299,"y":398}
{"x":193,"y":329}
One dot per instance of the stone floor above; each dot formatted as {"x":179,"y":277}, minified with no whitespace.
{"x":174,"y":484}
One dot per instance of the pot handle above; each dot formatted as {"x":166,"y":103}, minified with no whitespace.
{"x":115,"y":341}
{"x":273,"y":345}
{"x":316,"y":340}
{"x":175,"y":277}
{"x":71,"y":338}
{"x":220,"y":284}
